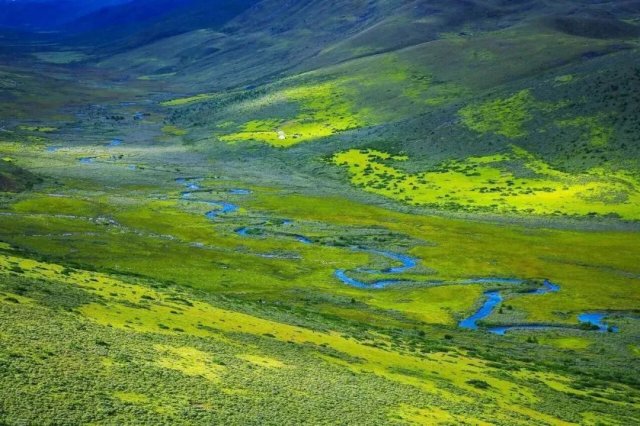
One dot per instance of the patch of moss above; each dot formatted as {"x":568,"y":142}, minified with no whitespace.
{"x":593,"y":129}
{"x":173,"y":130}
{"x":188,"y":100}
{"x":506,"y":116}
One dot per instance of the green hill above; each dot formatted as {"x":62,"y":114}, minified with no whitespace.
{"x":548,"y":108}
{"x":322,"y":212}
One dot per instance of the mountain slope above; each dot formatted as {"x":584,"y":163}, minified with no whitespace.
{"x":47,"y":14}
{"x":276,"y":38}
{"x":143,"y":21}
{"x":493,"y":89}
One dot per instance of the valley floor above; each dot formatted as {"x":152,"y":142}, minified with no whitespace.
{"x":145,"y":280}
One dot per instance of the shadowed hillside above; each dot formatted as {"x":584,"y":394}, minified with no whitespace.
{"x":276,"y":37}
{"x":47,"y":14}
{"x":15,"y":179}
{"x":144,"y":21}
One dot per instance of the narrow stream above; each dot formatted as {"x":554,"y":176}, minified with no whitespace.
{"x":494,"y":298}
{"x":406,"y":263}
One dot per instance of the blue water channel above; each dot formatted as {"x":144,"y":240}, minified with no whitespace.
{"x":223,"y":208}
{"x":493,"y":298}
{"x":406,"y":263}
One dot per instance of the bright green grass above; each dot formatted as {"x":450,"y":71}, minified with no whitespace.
{"x":504,"y":117}
{"x":189,"y":100}
{"x":188,"y":361}
{"x":574,"y":343}
{"x":431,"y":416}
{"x":593,"y":128}
{"x":139,"y":309}
{"x":174,"y":131}
{"x":486,"y":183}
{"x":209,"y":327}
{"x":325,"y":109}
{"x":271,"y":267}
{"x":43,"y":129}
{"x":591,"y":267}
{"x":352,"y":96}
{"x":132,"y":397}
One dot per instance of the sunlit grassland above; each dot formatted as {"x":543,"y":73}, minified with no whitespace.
{"x":509,"y":117}
{"x":271,"y":268}
{"x":130,"y":258}
{"x":575,"y":343}
{"x":432,"y":415}
{"x":194,"y":250}
{"x":505,"y":117}
{"x":130,"y":379}
{"x":221,"y":357}
{"x":357,"y":95}
{"x":325,"y":109}
{"x":593,"y":268}
{"x":106,"y":229}
{"x":188,"y":361}
{"x":487,"y":183}
{"x":173,"y":131}
{"x":129,"y":295}
{"x":189,"y":100}
{"x":385,"y":87}
{"x":138,"y":308}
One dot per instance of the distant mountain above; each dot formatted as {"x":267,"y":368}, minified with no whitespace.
{"x":138,"y":13}
{"x":142,"y":21}
{"x":557,"y":80}
{"x":275,"y":37}
{"x":47,"y":14}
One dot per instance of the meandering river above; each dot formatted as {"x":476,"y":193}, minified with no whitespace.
{"x":405,"y":263}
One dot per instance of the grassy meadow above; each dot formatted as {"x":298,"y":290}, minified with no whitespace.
{"x":172,"y":237}
{"x":211,"y":309}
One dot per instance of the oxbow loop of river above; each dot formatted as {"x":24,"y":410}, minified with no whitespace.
{"x":592,"y":320}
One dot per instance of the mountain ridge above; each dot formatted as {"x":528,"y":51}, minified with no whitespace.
{"x":47,"y":15}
